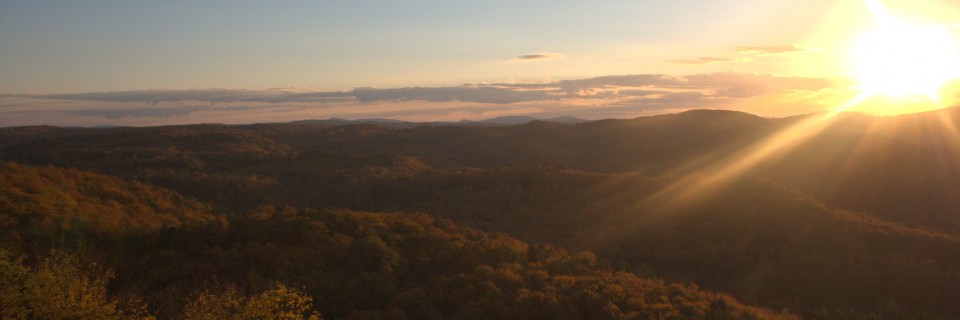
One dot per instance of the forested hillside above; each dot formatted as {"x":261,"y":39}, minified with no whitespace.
{"x":900,"y":168}
{"x":348,"y":264}
{"x":861,"y":221}
{"x":55,"y":207}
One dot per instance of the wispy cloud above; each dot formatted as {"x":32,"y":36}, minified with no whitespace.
{"x":538,"y":56}
{"x":597,"y":97}
{"x":471,"y":93}
{"x":733,"y":84}
{"x":761,"y":50}
{"x":136,"y":113}
{"x":207,"y":95}
{"x":703,"y":60}
{"x":153,"y":112}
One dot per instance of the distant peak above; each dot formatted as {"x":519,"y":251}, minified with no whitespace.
{"x":510,"y":120}
{"x":716,"y":111}
{"x":567,"y":119}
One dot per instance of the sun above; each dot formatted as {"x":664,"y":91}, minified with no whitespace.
{"x":900,"y":59}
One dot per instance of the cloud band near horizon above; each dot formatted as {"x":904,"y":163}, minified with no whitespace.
{"x":723,"y":84}
{"x":614,"y":96}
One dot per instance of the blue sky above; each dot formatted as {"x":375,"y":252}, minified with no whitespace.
{"x":56,"y":47}
{"x":72,"y":46}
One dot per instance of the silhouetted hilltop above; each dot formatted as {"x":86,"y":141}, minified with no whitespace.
{"x":392,"y":123}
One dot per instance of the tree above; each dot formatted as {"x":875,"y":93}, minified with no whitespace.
{"x":60,"y":287}
{"x":279,"y":303}
{"x":12,"y":296}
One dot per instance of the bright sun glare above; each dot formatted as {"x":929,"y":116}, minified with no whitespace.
{"x":897,"y":59}
{"x":901,"y":59}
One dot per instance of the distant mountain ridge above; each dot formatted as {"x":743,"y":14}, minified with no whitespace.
{"x":497,"y":121}
{"x":682,"y":143}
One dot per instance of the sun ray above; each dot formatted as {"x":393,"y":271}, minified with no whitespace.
{"x":692,"y":189}
{"x":905,"y":42}
{"x":735,"y":165}
{"x":879,"y":13}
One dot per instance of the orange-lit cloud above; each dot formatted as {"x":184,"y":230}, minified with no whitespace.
{"x":207,"y":95}
{"x":703,"y":60}
{"x":617,"y":96}
{"x":760,"y":50}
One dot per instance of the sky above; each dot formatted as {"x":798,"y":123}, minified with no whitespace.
{"x":88,"y":63}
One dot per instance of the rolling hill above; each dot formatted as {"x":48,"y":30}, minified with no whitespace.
{"x":857,"y":220}
{"x":170,"y":253}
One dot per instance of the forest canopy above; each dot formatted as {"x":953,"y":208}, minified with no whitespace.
{"x":541,"y":220}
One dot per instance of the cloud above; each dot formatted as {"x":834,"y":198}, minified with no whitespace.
{"x":638,"y":80}
{"x":744,"y":85}
{"x":471,"y":93}
{"x":725,"y":84}
{"x":703,"y":60}
{"x":592,"y":98}
{"x":25,"y":104}
{"x":673,"y":100}
{"x":538,"y":56}
{"x":762,"y":50}
{"x":610,"y":96}
{"x":206,"y":95}
{"x":135,"y":113}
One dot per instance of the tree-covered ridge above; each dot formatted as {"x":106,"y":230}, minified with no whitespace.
{"x":779,"y":241}
{"x":43,"y":201}
{"x":762,"y":242}
{"x":901,"y":168}
{"x":341,"y":264}
{"x":63,"y":286}
{"x":408,"y":266}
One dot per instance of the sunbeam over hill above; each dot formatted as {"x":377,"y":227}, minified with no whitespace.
{"x":428,"y":159}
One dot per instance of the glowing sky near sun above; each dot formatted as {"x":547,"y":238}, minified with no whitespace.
{"x":163,"y":62}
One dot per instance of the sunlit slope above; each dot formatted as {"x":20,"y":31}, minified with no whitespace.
{"x":47,"y":203}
